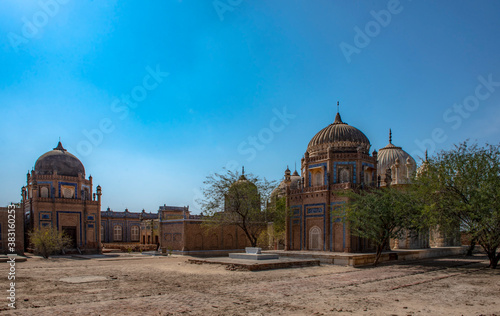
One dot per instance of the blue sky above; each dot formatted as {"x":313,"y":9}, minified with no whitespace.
{"x":215,"y":84}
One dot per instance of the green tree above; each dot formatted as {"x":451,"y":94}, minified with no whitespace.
{"x":233,"y":199}
{"x":276,"y":212}
{"x":381,"y":214}
{"x":462,"y":188}
{"x":48,"y":241}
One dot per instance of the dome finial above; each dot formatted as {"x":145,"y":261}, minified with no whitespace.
{"x":338,"y":120}
{"x":59,"y":146}
{"x":390,"y":136}
{"x":242,"y":170}
{"x":426,"y":157}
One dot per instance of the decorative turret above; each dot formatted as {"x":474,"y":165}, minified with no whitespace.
{"x":287,"y":176}
{"x":424,"y":165}
{"x":99,"y":193}
{"x":409,"y":167}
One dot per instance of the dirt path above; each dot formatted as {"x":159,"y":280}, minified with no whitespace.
{"x":171,"y":286}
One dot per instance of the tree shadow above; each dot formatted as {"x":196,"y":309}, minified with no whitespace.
{"x":461,"y":261}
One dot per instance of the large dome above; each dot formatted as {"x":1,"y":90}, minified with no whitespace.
{"x":61,"y":161}
{"x":341,"y":136}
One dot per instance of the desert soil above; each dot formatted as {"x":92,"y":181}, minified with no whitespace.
{"x":140,"y":285}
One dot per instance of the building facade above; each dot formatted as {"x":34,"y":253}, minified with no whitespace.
{"x":181,"y":231}
{"x":126,"y":227}
{"x":337,"y":158}
{"x":58,"y":195}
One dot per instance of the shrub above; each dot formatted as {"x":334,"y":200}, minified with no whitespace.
{"x":48,"y":241}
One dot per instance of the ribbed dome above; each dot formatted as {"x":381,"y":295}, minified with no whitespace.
{"x":341,"y":136}
{"x":388,"y":155}
{"x":59,"y":160}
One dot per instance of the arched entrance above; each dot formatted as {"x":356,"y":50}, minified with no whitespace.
{"x":315,"y":242}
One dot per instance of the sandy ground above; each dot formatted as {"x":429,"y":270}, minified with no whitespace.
{"x":172,"y":286}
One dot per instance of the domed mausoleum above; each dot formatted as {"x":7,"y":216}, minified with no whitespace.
{"x":395,"y":166}
{"x":57,"y":194}
{"x":337,"y":158}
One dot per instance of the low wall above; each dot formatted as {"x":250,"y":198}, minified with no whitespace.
{"x":360,"y":259}
{"x":126,"y":247}
{"x":204,"y":253}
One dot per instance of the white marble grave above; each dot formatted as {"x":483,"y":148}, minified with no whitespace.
{"x":253,"y":253}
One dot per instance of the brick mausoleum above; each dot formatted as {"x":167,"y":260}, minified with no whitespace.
{"x":57,"y":194}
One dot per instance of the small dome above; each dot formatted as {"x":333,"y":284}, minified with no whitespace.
{"x":393,"y":155}
{"x":60,"y":160}
{"x":280,"y":190}
{"x":243,"y":185}
{"x":341,"y":136}
{"x":242,"y":194}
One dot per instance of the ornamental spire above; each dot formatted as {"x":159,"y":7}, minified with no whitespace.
{"x":390,"y":136}
{"x":338,"y":119}
{"x":59,"y":146}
